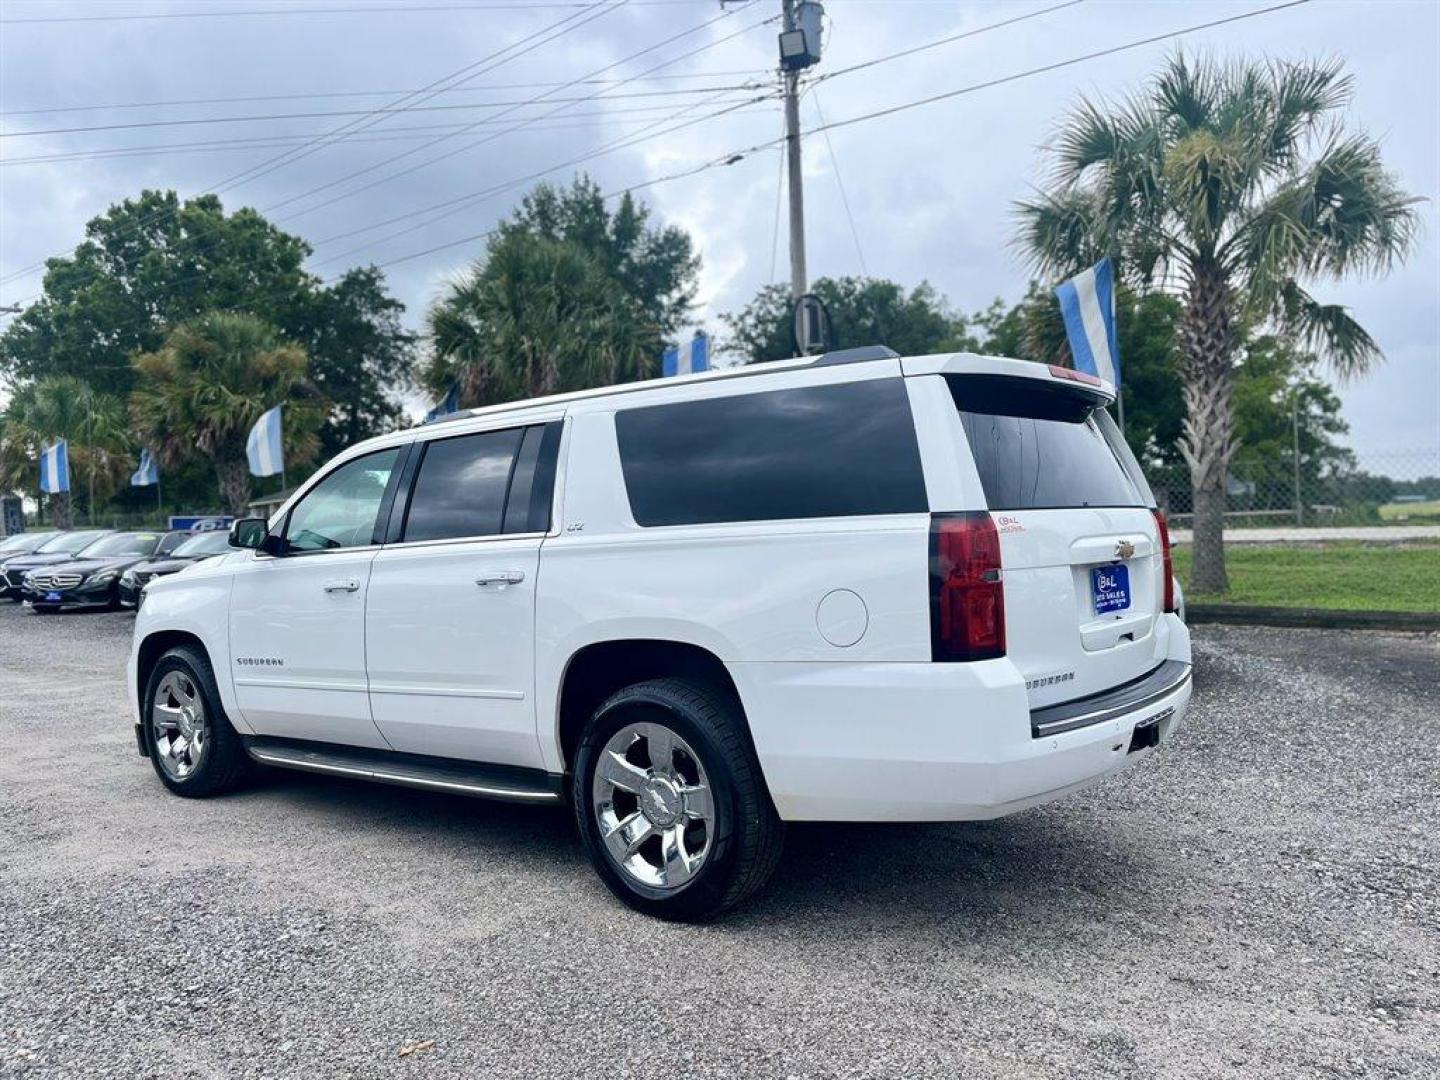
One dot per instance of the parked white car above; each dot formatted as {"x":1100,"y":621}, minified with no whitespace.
{"x":846,"y":588}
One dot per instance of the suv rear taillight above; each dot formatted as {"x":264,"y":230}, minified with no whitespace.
{"x":1166,"y":558}
{"x":967,"y":597}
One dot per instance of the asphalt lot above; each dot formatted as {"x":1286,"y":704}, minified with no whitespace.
{"x":1259,"y":900}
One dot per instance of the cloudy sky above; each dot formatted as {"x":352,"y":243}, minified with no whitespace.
{"x":551,"y":81}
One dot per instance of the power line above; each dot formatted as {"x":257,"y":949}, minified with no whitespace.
{"x":944,"y":41}
{"x":378,"y":9}
{"x":749,"y":73}
{"x":614,"y":145}
{"x":740,"y":154}
{"x":455,"y":206}
{"x":265,"y":117}
{"x":724,"y":14}
{"x":1096,"y":55}
{"x":523,"y":47}
{"x":779,"y":192}
{"x":463,"y":74}
{"x":280,"y":159}
{"x":839,"y":183}
{"x":737,"y":155}
{"x":395,"y":134}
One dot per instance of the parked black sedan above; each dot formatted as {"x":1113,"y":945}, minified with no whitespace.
{"x":93,"y":578}
{"x":61,"y":548}
{"x":204,"y":545}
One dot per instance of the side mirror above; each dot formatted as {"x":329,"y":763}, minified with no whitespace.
{"x":249,"y":533}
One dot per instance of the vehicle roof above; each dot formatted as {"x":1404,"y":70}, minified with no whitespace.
{"x":954,"y":363}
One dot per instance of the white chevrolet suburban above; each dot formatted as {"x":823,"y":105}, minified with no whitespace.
{"x":857,"y":587}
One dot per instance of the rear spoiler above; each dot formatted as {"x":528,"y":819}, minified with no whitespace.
{"x":1006,"y":367}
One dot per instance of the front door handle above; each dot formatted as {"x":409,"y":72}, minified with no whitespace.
{"x":501,"y":578}
{"x":349,"y":585}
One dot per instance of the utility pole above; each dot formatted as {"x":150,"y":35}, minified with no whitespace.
{"x":792,"y":157}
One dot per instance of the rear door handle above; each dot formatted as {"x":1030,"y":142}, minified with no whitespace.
{"x":350,"y":585}
{"x":501,"y":578}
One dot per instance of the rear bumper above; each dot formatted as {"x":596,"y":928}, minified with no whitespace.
{"x":1154,"y":688}
{"x":939,"y":742}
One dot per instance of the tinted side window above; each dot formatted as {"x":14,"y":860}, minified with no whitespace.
{"x":532,"y":488}
{"x":340,"y":511}
{"x":822,"y":451}
{"x":461,"y":486}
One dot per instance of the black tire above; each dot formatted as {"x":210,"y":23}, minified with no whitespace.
{"x":224,"y":764}
{"x":749,"y":835}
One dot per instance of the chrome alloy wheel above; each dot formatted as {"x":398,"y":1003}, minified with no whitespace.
{"x":653,"y":805}
{"x":179,"y":725}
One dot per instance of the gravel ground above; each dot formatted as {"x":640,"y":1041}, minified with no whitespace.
{"x":1260,"y":899}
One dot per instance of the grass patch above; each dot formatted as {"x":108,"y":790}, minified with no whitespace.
{"x":1417,"y":512}
{"x":1339,"y":576}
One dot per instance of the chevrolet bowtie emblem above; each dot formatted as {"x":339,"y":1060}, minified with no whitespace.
{"x":1124,"y":549}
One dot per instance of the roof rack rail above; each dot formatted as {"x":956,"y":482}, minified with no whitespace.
{"x":857,"y":355}
{"x":445,"y":418}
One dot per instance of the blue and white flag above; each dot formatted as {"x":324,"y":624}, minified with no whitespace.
{"x":55,"y":468}
{"x":1088,"y":303}
{"x":148,"y":473}
{"x":448,"y":404}
{"x":687,"y":359}
{"x":263,"y":447}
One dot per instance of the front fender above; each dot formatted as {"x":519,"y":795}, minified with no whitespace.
{"x":197,"y":605}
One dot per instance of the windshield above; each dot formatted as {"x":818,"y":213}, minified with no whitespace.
{"x":23,"y":542}
{"x":1041,"y":447}
{"x":136,"y":543}
{"x":206,"y":543}
{"x":69,"y":543}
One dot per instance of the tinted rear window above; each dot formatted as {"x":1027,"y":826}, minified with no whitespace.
{"x":821,"y":451}
{"x":1042,"y":448}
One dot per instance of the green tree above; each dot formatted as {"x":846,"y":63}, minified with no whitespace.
{"x":1234,"y":181}
{"x":1278,"y":400}
{"x":151,"y":263}
{"x":863,"y":311}
{"x":360,"y":355}
{"x":536,"y":316}
{"x":656,"y":266}
{"x":1145,"y":332}
{"x":91,"y":422}
{"x":203,"y":389}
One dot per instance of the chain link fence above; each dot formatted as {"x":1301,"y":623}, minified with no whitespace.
{"x":1396,"y":488}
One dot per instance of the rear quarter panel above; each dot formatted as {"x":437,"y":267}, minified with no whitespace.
{"x":748,"y":592}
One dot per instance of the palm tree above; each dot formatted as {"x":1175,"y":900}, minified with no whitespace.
{"x":91,"y":422}
{"x":204,"y":388}
{"x":537,"y":316}
{"x":1235,"y":183}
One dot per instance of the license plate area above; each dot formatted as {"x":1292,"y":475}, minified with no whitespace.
{"x":1110,"y":588}
{"x":52,"y":596}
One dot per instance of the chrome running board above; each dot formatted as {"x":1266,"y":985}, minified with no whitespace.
{"x":458,"y":777}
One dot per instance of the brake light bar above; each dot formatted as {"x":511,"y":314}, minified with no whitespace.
{"x":1167,"y":560}
{"x":967,"y":595}
{"x":1074,"y":376}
